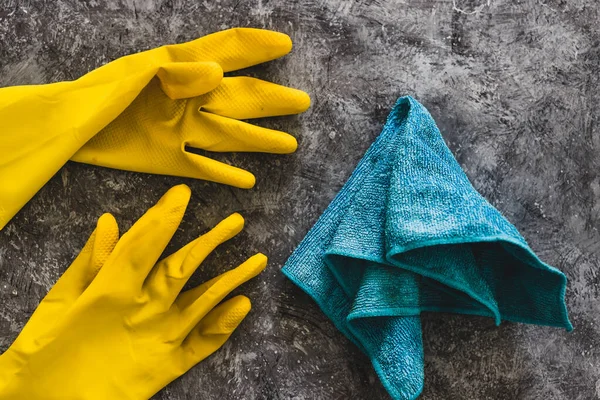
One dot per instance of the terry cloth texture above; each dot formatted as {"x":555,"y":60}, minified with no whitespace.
{"x":408,"y":233}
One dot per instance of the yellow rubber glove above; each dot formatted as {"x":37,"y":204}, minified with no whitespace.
{"x":115,"y":326}
{"x":43,"y":126}
{"x":151,"y":135}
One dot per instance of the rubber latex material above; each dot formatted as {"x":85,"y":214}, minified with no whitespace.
{"x":152,"y":134}
{"x":139,"y":105}
{"x":115,"y":325}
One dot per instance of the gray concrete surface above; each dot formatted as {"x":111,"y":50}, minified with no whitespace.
{"x":514,"y":87}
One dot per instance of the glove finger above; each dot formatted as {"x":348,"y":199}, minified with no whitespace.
{"x":75,"y":280}
{"x":168,"y":277}
{"x":221,"y":134}
{"x":200,"y":306}
{"x":214,"y":330}
{"x":233,"y":49}
{"x":186,"y":298}
{"x":87,"y":264}
{"x":224,"y":318}
{"x":200,"y":167}
{"x":107,"y":236}
{"x":189,"y":79}
{"x":139,"y":249}
{"x":243,"y":97}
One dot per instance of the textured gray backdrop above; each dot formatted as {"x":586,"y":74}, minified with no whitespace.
{"x":514,"y":87}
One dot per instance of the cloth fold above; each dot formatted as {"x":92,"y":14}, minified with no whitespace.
{"x":408,"y":233}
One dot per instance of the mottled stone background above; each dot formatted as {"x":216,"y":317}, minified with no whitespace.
{"x":514,"y":87}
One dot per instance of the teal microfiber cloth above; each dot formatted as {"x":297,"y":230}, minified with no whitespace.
{"x":408,"y":233}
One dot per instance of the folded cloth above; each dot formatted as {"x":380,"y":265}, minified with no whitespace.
{"x":408,"y":233}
